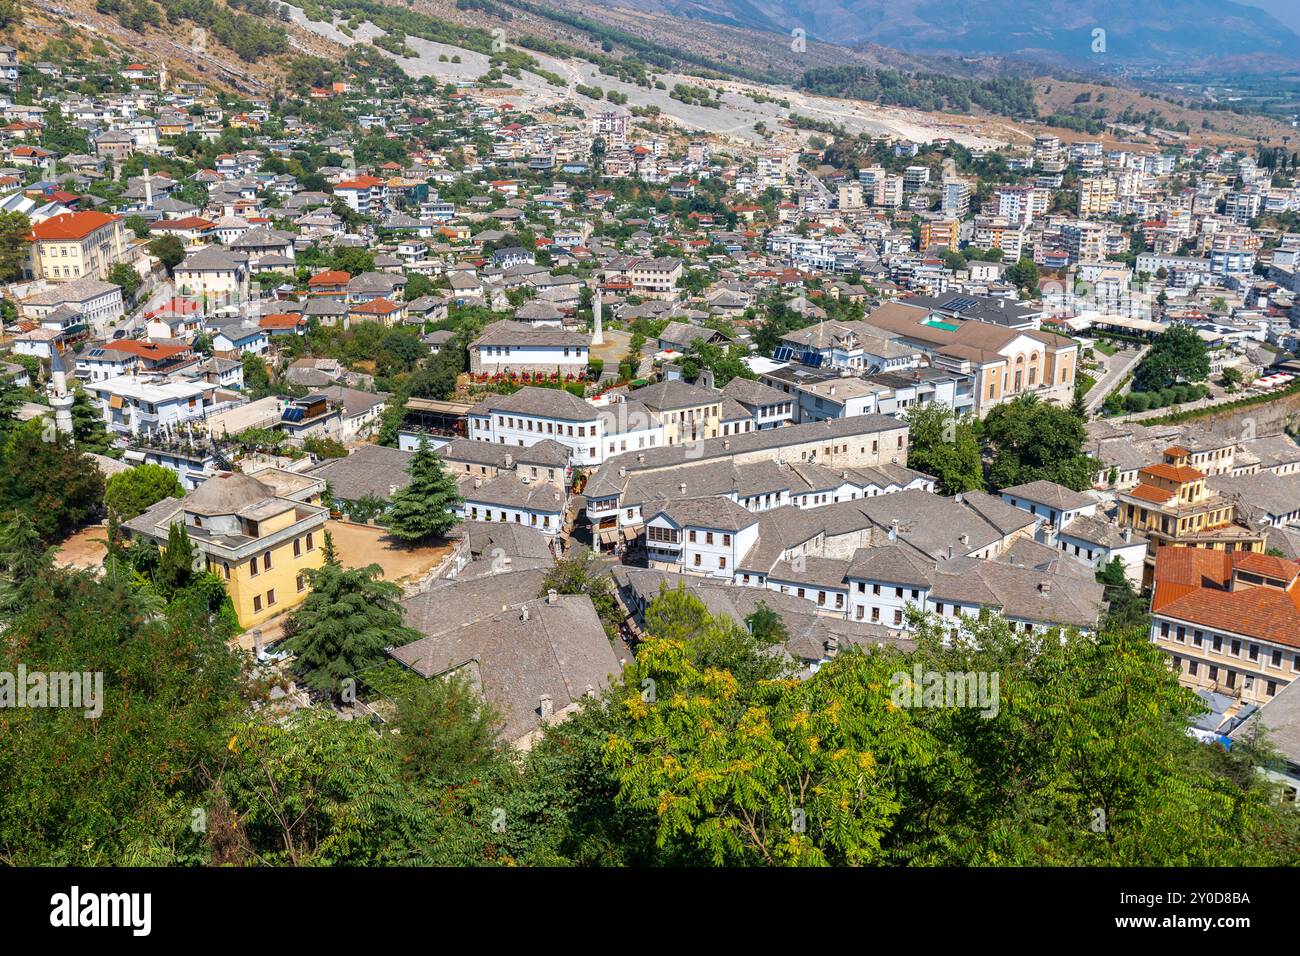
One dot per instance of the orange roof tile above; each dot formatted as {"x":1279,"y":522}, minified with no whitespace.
{"x":1193,"y":585}
{"x":1178,"y":473}
{"x":1151,"y":493}
{"x":70,"y":226}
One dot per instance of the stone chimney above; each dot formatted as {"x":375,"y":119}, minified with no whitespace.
{"x":963,"y":539}
{"x":547,"y":706}
{"x":832,"y":646}
{"x":726,"y":443}
{"x":478,"y":481}
{"x":622,"y":472}
{"x":552,"y":596}
{"x":640,"y":458}
{"x":893,"y":530}
{"x":1045,"y":586}
{"x":957,"y":498}
{"x":510,"y":461}
{"x":681,"y":487}
{"x":1128,"y":535}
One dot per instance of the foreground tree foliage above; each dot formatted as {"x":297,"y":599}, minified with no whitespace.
{"x":345,"y":625}
{"x":710,"y":751}
{"x":44,"y":476}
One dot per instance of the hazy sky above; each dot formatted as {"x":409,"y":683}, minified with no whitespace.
{"x":1287,"y":11}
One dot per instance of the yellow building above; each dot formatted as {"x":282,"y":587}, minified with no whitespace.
{"x":939,"y":232}
{"x":77,"y":245}
{"x":259,"y":534}
{"x":1170,"y":505}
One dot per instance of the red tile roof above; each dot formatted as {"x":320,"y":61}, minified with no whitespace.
{"x":1194,"y":585}
{"x":70,"y":226}
{"x":377,"y":306}
{"x":281,"y":320}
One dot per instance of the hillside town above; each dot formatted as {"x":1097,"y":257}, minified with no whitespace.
{"x":523,"y":381}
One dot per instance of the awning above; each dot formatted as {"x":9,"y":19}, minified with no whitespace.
{"x":607,"y":537}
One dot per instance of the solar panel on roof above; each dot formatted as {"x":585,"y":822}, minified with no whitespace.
{"x":811,"y":359}
{"x":961,"y":302}
{"x":783,"y":353}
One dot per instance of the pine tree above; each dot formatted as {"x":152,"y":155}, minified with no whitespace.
{"x":88,"y":430}
{"x":346,"y":624}
{"x":423,"y":509}
{"x":22,"y":559}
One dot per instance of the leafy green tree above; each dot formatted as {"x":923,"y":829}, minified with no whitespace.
{"x":118,"y":789}
{"x":23,"y":560}
{"x":1034,"y":440}
{"x":346,"y":624}
{"x":945,"y":445}
{"x":1025,"y":275}
{"x":126,"y":276}
{"x":133,"y":492}
{"x":317,"y":790}
{"x":89,"y":433}
{"x":713,"y":641}
{"x":422,"y":511}
{"x":779,"y":773}
{"x":137,"y":224}
{"x":581,"y":573}
{"x":46,"y":478}
{"x":14,"y":250}
{"x":446,"y":731}
{"x":257,"y":380}
{"x":169,"y":250}
{"x":1178,"y":354}
{"x":1128,"y":609}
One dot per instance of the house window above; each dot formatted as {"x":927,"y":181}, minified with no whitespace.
{"x":257,"y":602}
{"x":311,"y":545}
{"x":252,"y":567}
{"x":301,"y":581}
{"x":270,"y":598}
{"x":297,"y":547}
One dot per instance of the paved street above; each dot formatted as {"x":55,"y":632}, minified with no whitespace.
{"x":1117,"y":366}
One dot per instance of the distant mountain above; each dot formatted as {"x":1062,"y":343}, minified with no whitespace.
{"x":1174,"y":32}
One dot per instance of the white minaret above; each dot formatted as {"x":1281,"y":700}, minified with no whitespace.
{"x":148,"y":189}
{"x":597,"y":334}
{"x":60,"y":398}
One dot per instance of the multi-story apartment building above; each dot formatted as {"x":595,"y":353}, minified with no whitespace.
{"x":366,"y":195}
{"x":940,"y":232}
{"x":956,"y":197}
{"x":1230,"y":622}
{"x":519,"y":347}
{"x":1004,"y":362}
{"x":260,"y":539}
{"x":133,"y":403}
{"x":77,"y":245}
{"x":1096,"y":195}
{"x":1171,"y":506}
